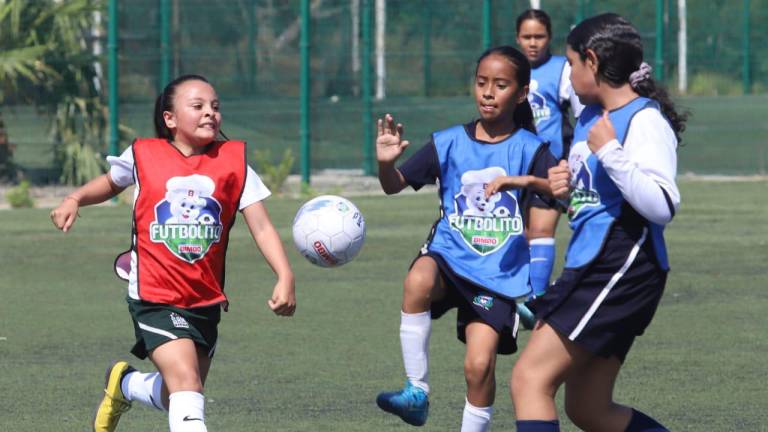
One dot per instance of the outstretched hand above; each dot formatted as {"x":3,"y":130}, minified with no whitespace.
{"x":560,"y":180}
{"x":389,"y":139}
{"x":601,"y":133}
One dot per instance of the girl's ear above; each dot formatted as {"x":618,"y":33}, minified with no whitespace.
{"x":592,"y":61}
{"x":523,"y":94}
{"x":170,"y":123}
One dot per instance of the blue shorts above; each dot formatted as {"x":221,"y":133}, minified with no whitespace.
{"x":474,"y":303}
{"x":599,"y":313}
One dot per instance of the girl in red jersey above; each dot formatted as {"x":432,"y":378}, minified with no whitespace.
{"x":189,"y":187}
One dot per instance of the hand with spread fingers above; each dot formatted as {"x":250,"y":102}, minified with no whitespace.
{"x":601,"y":133}
{"x":389,"y":140}
{"x":560,"y":180}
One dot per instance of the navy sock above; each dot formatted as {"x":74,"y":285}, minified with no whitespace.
{"x":642,"y":423}
{"x":537,"y":426}
{"x":542,"y":260}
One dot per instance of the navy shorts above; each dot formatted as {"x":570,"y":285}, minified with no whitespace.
{"x":475,"y":303}
{"x":605,"y":305}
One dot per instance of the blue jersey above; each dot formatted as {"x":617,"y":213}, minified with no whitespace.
{"x":482,"y":239}
{"x":544,"y":97}
{"x":596,"y":202}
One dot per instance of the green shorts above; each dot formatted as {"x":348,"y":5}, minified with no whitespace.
{"x":156,"y":324}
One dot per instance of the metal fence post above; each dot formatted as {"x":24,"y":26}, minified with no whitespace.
{"x":251,"y":46}
{"x":746,"y":72}
{"x":487,"y":24}
{"x":165,"y":44}
{"x":114,"y":117}
{"x":427,"y":62}
{"x":304,"y":90}
{"x":365,"y":89}
{"x":658,"y":69}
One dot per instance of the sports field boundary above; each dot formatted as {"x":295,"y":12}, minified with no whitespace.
{"x":332,"y":181}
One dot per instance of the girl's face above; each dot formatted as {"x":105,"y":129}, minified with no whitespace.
{"x":497,"y":93}
{"x":534,"y":40}
{"x":583,"y":73}
{"x":195,"y":119}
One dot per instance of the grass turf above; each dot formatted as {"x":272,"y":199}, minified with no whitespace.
{"x":63,"y":318}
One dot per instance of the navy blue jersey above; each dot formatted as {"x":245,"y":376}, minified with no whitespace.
{"x":481,"y":239}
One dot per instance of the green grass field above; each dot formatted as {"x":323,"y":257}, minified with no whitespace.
{"x":700,"y":367}
{"x":725,"y":135}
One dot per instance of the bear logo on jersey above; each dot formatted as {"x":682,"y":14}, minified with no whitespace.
{"x":188,"y":220}
{"x":485,"y":224}
{"x":538,"y":103}
{"x":583,"y":194}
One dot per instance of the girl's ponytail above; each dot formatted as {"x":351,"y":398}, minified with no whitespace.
{"x":642,"y":82}
{"x":619,"y":51}
{"x":523,"y":116}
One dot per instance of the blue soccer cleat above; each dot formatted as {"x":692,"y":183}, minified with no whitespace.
{"x":410,"y":404}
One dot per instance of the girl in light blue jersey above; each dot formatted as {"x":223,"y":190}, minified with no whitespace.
{"x":620,"y":178}
{"x":476,"y":258}
{"x":551,"y":96}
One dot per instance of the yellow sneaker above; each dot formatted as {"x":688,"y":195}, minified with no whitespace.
{"x":114,"y":404}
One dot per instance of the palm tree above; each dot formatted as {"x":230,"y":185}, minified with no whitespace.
{"x":44,"y":48}
{"x":19,"y":61}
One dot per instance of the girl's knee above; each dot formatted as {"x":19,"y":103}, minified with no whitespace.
{"x":526,"y":378}
{"x":418,"y":286}
{"x":478,"y":369}
{"x":183,"y":378}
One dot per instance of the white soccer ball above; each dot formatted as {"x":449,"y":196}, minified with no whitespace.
{"x":329,"y":231}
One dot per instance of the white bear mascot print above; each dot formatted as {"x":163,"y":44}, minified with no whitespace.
{"x":485,"y":224}
{"x":188,"y":220}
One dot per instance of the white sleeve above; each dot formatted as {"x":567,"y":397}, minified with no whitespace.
{"x":254,"y":190}
{"x":121,"y":168}
{"x":644,"y":168}
{"x":567,"y":93}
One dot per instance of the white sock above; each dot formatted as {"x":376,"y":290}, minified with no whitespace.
{"x":145,"y":388}
{"x":476,"y":419}
{"x":185,"y":412}
{"x":414,"y":340}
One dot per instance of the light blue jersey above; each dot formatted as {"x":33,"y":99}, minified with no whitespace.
{"x":596,"y":202}
{"x":482,"y":239}
{"x":544,"y":97}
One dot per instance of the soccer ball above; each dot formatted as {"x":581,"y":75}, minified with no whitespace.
{"x":329,"y":231}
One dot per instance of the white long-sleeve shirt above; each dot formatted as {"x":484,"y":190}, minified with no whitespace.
{"x":644,"y":169}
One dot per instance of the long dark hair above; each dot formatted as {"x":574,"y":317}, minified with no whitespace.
{"x":619,"y":50}
{"x":523,"y":114}
{"x":164,"y":102}
{"x":537,"y":15}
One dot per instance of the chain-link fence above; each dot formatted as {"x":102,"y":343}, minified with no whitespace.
{"x":422,"y":55}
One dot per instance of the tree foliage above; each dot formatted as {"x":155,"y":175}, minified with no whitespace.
{"x":46,"y":58}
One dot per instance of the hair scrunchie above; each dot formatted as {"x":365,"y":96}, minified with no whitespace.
{"x":641,"y":74}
